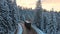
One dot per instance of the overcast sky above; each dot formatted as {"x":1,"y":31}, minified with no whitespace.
{"x":46,"y":4}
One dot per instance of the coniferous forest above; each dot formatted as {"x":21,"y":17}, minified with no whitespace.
{"x":11,"y":15}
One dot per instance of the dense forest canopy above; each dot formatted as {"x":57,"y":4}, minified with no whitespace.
{"x":11,"y":15}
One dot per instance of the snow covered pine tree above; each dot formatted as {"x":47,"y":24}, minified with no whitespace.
{"x":8,"y":16}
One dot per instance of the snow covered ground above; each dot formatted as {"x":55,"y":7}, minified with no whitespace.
{"x":19,"y":29}
{"x":37,"y":30}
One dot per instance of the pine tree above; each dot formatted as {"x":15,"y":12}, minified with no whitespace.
{"x":8,"y":16}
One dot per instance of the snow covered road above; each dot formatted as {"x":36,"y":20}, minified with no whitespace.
{"x":33,"y":26}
